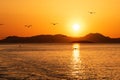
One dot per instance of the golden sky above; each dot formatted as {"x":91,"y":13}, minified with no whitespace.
{"x":14,"y":14}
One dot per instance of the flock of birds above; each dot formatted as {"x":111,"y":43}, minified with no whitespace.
{"x":28,"y":26}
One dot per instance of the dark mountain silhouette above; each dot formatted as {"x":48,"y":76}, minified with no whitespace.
{"x":37,"y":39}
{"x":59,"y":38}
{"x":96,"y":37}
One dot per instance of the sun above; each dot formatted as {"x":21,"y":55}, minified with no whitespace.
{"x":76,"y":27}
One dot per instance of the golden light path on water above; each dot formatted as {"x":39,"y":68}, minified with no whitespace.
{"x":76,"y":61}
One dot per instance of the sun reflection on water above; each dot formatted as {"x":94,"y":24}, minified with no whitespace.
{"x":76,"y":53}
{"x":76,"y":56}
{"x":76,"y":61}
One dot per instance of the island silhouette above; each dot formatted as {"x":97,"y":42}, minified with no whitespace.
{"x":59,"y":38}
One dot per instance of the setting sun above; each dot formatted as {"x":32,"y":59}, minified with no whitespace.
{"x":76,"y":27}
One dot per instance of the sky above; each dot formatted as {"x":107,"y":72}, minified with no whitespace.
{"x":14,"y":14}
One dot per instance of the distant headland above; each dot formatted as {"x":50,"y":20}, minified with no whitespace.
{"x":59,"y":38}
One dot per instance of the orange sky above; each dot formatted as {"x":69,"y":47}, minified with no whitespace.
{"x":41,"y":13}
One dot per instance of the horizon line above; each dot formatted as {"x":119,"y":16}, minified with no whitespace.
{"x":57,"y":34}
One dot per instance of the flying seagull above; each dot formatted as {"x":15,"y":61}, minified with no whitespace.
{"x":92,"y":12}
{"x":54,"y":24}
{"x":28,"y":26}
{"x":1,"y":24}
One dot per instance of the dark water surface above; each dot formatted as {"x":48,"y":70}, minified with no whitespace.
{"x":60,"y":62}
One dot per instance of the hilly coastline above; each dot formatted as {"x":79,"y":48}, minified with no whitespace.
{"x":59,"y":38}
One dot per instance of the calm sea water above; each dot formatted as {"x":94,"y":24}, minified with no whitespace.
{"x":60,"y":62}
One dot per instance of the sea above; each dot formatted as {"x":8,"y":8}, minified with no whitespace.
{"x":60,"y":61}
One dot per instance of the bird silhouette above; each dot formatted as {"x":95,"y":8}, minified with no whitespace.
{"x":1,"y":24}
{"x":54,"y":24}
{"x":28,"y":26}
{"x":92,"y":12}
